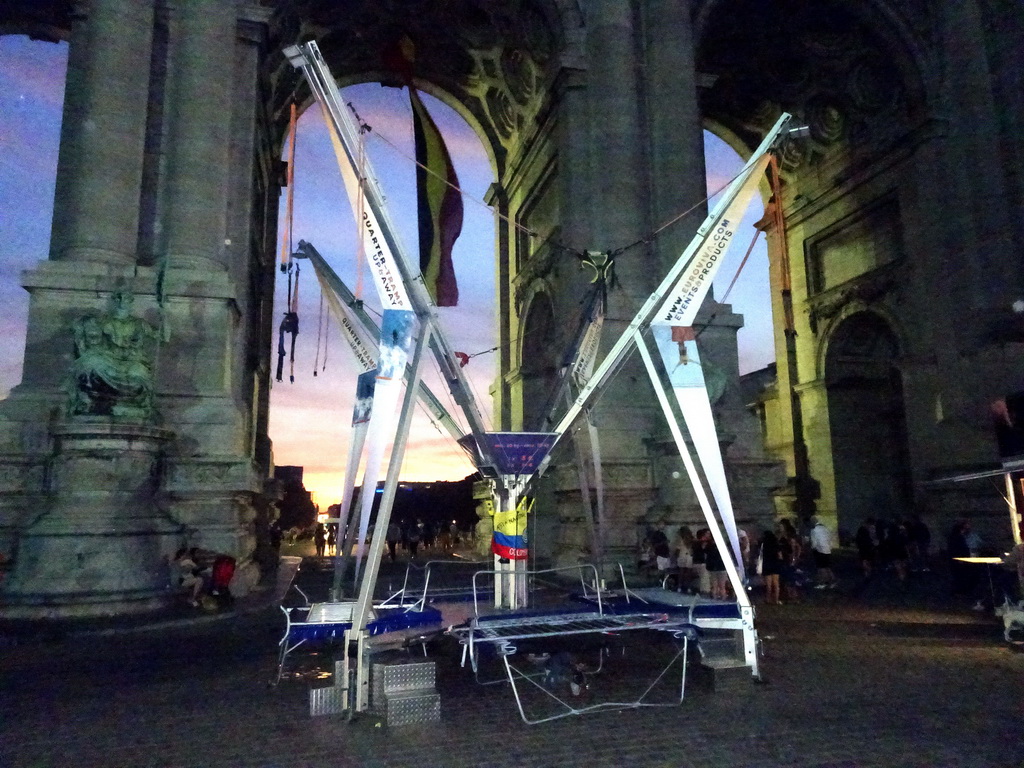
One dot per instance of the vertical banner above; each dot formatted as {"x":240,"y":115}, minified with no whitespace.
{"x":673,"y":333}
{"x":386,"y":276}
{"x":583,"y":367}
{"x":682,"y":302}
{"x":351,"y":328}
{"x":682,"y":361}
{"x":357,"y":437}
{"x":396,"y":337}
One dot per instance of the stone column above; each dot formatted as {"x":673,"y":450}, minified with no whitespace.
{"x":99,"y":171}
{"x":607,"y":145}
{"x":201,"y":67}
{"x":574,"y":172}
{"x":94,"y":238}
{"x":617,"y":200}
{"x":205,"y":373}
{"x":678,"y":183}
{"x":676,"y":136}
{"x":497,"y":197}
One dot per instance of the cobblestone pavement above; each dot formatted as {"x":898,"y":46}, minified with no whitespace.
{"x":892,"y":677}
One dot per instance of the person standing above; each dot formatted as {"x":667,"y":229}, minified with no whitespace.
{"x":414,"y":536}
{"x":791,"y":550}
{"x":866,"y":547}
{"x":898,"y":548}
{"x":921,"y":538}
{"x":662,"y":554}
{"x":394,"y":535}
{"x":700,"y":559}
{"x":771,"y":567}
{"x":684,"y":558}
{"x":821,"y":548}
{"x":744,"y":542}
{"x":715,"y":564}
{"x":960,"y":572}
{"x":320,"y":539}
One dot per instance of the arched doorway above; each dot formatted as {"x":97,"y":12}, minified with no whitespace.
{"x":538,"y":361}
{"x":868,"y":426}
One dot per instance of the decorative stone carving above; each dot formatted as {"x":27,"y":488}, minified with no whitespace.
{"x":502,"y":112}
{"x":112,"y":374}
{"x":853,"y":96}
{"x":866,"y":290}
{"x":537,"y":270}
{"x":518,"y":71}
{"x":867,"y":85}
{"x":825,"y":120}
{"x":490,"y":56}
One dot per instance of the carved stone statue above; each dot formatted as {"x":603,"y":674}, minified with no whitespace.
{"x":113,"y":372}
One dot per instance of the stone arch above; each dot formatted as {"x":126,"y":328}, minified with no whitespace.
{"x":837,"y":332}
{"x":863,"y":77}
{"x":858,"y":89}
{"x":867,"y":423}
{"x":488,"y":62}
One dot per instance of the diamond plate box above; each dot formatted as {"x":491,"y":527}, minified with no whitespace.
{"x":411,"y":708}
{"x":390,"y":679}
{"x":326,"y":701}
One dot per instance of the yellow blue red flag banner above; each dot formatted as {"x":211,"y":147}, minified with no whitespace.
{"x":510,"y":531}
{"x":439,"y":205}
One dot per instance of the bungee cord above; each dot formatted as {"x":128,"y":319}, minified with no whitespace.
{"x":581,"y":255}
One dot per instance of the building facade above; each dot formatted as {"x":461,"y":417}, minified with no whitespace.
{"x":893,"y":234}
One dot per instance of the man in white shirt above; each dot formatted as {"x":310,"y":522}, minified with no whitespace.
{"x":821,"y":548}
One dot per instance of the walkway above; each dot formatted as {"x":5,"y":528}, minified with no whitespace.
{"x":893,"y":678}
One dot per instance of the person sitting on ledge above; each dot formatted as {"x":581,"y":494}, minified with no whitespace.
{"x":189,"y":575}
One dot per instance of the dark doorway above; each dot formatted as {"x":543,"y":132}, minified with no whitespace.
{"x":539,"y":361}
{"x":868,"y":423}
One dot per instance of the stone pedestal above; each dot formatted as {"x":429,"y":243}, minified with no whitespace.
{"x":101,"y":546}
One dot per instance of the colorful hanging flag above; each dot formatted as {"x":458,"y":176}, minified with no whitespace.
{"x":510,"y":531}
{"x":439,"y":205}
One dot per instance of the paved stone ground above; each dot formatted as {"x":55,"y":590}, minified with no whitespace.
{"x":892,"y":677}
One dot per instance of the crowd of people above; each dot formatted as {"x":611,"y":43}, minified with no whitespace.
{"x":899,"y":545}
{"x":692,"y":562}
{"x":782,"y":559}
{"x":411,"y":535}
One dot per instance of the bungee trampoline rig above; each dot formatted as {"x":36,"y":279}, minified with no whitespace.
{"x":505,"y":623}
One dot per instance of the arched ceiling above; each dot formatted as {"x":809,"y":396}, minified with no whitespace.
{"x":489,"y":59}
{"x":39,"y":19}
{"x":853,"y":71}
{"x":825,"y":62}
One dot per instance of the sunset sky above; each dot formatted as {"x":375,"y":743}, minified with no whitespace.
{"x":310,"y":418}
